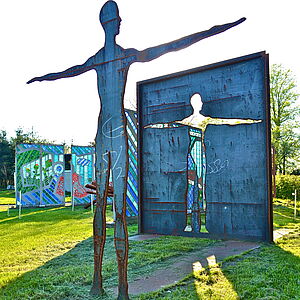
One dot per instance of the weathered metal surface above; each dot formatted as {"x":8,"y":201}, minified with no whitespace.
{"x":40,"y":175}
{"x":132,"y":184}
{"x":112,"y":63}
{"x":236,"y":177}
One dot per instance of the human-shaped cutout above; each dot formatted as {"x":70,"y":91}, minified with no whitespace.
{"x":197,"y":124}
{"x":111,"y":64}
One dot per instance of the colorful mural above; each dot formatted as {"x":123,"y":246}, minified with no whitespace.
{"x":196,"y":202}
{"x":132,"y":180}
{"x":40,"y":175}
{"x":83,"y":168}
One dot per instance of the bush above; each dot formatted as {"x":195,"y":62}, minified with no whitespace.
{"x":286,"y":185}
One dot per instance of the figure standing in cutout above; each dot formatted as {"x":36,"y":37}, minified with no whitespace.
{"x":111,"y":64}
{"x":197,"y":124}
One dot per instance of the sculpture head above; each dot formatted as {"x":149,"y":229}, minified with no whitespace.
{"x":196,"y":102}
{"x":109,"y":18}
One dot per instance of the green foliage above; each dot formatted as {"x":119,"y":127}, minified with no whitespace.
{"x":22,"y":136}
{"x":284,"y":112}
{"x":6,"y":161}
{"x":286,"y":185}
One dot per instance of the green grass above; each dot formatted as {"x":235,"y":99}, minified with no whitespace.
{"x":269,"y":272}
{"x":7,"y":197}
{"x":47,"y":254}
{"x":284,"y":214}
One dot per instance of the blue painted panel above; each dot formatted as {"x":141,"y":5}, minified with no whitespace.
{"x":233,"y":181}
{"x":83,"y":168}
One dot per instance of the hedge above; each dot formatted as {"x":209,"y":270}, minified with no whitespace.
{"x":286,"y":185}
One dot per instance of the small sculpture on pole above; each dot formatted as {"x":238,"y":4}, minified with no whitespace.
{"x":112,"y":64}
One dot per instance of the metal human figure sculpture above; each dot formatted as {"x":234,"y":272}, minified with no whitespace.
{"x":112,"y":63}
{"x":197,"y":124}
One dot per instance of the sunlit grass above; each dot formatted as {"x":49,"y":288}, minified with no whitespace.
{"x":40,"y":235}
{"x":284,"y":214}
{"x":7,"y":197}
{"x":270,"y":272}
{"x":211,"y":283}
{"x":48,"y":254}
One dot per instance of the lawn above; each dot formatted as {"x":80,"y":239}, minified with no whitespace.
{"x":47,"y":254}
{"x":7,"y":197}
{"x":269,"y":272}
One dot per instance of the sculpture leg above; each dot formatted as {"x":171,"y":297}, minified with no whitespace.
{"x":196,"y":217}
{"x":99,"y":224}
{"x":120,"y":169}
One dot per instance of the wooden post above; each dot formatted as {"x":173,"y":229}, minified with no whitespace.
{"x":72,"y":188}
{"x":295,"y":204}
{"x":20,"y":205}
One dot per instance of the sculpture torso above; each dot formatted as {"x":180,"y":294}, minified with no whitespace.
{"x":112,"y":67}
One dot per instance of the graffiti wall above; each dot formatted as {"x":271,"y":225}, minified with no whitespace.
{"x":40,"y":175}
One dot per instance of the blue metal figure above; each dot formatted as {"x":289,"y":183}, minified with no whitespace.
{"x":112,"y":63}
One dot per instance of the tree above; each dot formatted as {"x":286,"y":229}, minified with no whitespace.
{"x":22,"y":136}
{"x":6,"y":161}
{"x":284,"y":113}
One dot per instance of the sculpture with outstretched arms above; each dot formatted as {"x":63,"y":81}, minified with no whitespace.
{"x":111,"y":64}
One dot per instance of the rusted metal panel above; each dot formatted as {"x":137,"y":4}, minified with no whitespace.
{"x":235,"y":183}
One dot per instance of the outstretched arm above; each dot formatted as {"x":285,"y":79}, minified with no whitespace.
{"x":216,"y":121}
{"x":163,"y":125}
{"x":155,"y":52}
{"x":71,"y":72}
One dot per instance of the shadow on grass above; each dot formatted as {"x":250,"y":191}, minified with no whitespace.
{"x":284,"y":217}
{"x":269,"y":272}
{"x":69,"y":276}
{"x":65,"y":277}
